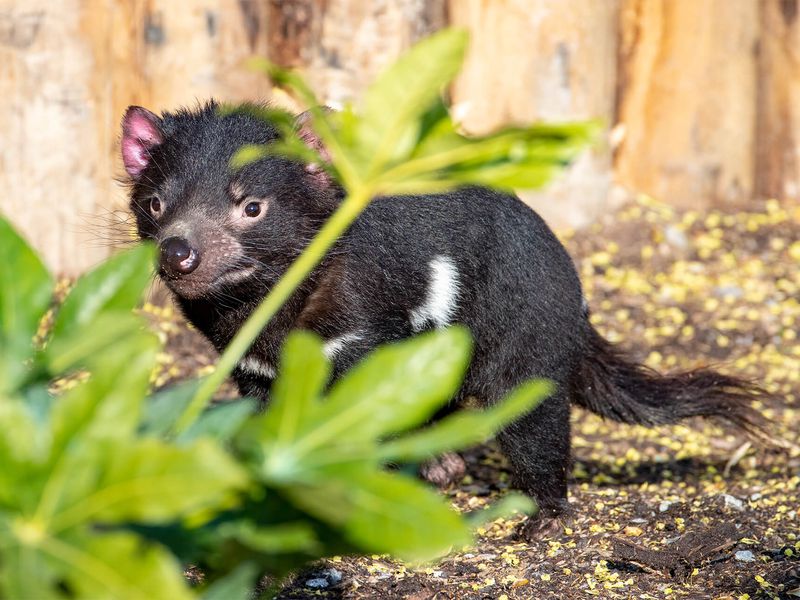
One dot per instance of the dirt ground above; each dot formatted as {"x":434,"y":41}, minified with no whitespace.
{"x":691,"y":511}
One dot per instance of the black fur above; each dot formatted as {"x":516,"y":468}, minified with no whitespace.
{"x":518,"y":292}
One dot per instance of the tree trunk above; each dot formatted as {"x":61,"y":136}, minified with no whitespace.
{"x":543,"y":59}
{"x":67,"y":72}
{"x":687,"y":99}
{"x":778,"y":128}
{"x":343,"y":44}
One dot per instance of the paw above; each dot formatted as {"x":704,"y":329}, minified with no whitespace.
{"x":444,"y":470}
{"x":542,"y":526}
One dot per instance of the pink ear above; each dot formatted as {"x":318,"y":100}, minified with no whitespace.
{"x":309,"y":136}
{"x":312,"y":140}
{"x":140,"y":133}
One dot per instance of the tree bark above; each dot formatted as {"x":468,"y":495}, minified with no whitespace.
{"x":342,"y":45}
{"x":687,"y":99}
{"x":778,"y":125}
{"x":543,"y":59}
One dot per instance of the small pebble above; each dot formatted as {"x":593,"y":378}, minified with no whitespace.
{"x":745,"y":556}
{"x":664,"y":506}
{"x":327,"y":578}
{"x":733,"y":502}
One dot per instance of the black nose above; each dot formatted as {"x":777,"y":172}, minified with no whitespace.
{"x":178,"y":257}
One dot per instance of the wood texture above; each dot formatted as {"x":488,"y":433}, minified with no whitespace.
{"x":341,"y":45}
{"x":688,"y":99}
{"x":50,"y":166}
{"x":778,"y":120}
{"x":67,"y":72}
{"x":543,"y":59}
{"x":702,"y":95}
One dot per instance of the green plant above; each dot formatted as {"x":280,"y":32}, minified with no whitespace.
{"x":98,"y":499}
{"x":106,"y":492}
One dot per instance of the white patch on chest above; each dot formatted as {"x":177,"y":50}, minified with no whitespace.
{"x":441,"y":298}
{"x":253,"y":365}
{"x":335,"y":345}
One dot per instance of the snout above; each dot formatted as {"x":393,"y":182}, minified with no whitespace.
{"x":178,"y":257}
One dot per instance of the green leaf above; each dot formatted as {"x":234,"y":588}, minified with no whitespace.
{"x":413,"y":522}
{"x":25,"y":292}
{"x":109,"y":403}
{"x":466,"y":428}
{"x":524,"y":157}
{"x":276,"y":539}
{"x":394,"y":388}
{"x":397,"y":386}
{"x":304,"y":373}
{"x":403,"y":93}
{"x":24,"y":449}
{"x":151,"y":481}
{"x":237,"y":585}
{"x":388,"y":513}
{"x":112,"y":565}
{"x":26,"y":573}
{"x":115,"y":286}
{"x":220,"y":422}
{"x":505,"y":507}
{"x":88,"y":348}
{"x":163,"y":409}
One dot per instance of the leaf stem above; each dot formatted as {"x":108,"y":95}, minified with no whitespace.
{"x":344,"y":216}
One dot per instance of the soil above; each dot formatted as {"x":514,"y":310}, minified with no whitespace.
{"x":691,"y":511}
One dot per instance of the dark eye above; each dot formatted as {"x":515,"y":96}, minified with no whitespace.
{"x":155,"y":206}
{"x":253,"y":209}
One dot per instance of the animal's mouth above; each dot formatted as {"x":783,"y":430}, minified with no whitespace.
{"x":195,"y":285}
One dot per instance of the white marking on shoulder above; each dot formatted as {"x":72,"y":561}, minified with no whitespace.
{"x":441,"y":299}
{"x":258,"y":367}
{"x":335,"y":345}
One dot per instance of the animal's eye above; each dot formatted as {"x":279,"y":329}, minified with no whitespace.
{"x":155,"y":206}
{"x":252,"y":209}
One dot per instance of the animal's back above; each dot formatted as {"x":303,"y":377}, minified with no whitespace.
{"x":480,"y":258}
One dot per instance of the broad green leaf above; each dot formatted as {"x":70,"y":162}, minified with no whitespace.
{"x":24,"y":449}
{"x":162,"y":409}
{"x":304,"y":373}
{"x":403,"y":93}
{"x":151,"y":481}
{"x":237,"y":585}
{"x":381,"y":512}
{"x":389,"y":513}
{"x":513,"y":157}
{"x":396,"y":387}
{"x":27,"y":573}
{"x":277,"y":539}
{"x":467,"y":427}
{"x":110,"y":565}
{"x":89,"y":347}
{"x":505,"y":507}
{"x":115,"y":286}
{"x":109,"y":402}
{"x":25,"y":292}
{"x":220,"y":422}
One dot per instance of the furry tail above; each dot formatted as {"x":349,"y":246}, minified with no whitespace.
{"x":615,"y":387}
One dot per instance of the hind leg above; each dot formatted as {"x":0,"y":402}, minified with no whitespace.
{"x":538,"y":448}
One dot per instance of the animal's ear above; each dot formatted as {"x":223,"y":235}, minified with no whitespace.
{"x":141,"y":132}
{"x":312,"y":140}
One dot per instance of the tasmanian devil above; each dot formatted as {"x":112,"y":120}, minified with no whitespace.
{"x":472,"y":256}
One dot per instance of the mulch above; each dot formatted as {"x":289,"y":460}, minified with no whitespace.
{"x":690,"y":511}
